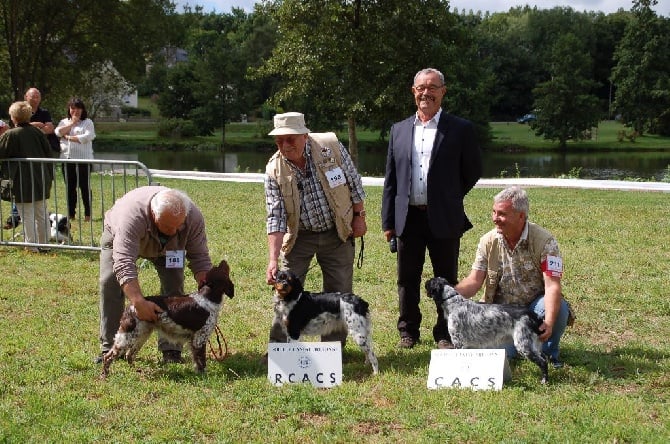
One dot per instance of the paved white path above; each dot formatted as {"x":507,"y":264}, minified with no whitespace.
{"x":483,"y":183}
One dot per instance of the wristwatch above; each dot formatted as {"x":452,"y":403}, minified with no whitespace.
{"x":359,"y":213}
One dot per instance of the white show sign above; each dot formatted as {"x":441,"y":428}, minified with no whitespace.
{"x":319,"y":363}
{"x":477,"y":369}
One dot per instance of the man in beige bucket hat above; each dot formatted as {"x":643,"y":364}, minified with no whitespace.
{"x":315,"y":207}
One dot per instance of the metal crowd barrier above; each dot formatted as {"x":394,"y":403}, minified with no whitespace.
{"x":110,"y":179}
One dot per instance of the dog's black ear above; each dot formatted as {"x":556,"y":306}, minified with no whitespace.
{"x":229,"y":288}
{"x":295,"y":282}
{"x":220,"y":275}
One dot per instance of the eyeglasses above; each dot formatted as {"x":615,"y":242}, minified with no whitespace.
{"x":431,"y":88}
{"x":291,"y":139}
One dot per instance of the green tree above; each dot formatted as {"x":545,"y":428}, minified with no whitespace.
{"x":502,"y":40}
{"x":354,"y":61}
{"x":566,"y":107}
{"x":608,"y":30}
{"x":177,"y":99}
{"x":642,"y":71}
{"x":211,"y":86}
{"x":515,"y":45}
{"x":53,"y":44}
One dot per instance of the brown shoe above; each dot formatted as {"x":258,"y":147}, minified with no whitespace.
{"x":406,"y":342}
{"x":443,"y":344}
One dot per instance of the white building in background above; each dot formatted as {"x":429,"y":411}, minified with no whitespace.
{"x":130,"y":99}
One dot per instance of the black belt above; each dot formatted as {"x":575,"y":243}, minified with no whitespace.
{"x":420,"y":207}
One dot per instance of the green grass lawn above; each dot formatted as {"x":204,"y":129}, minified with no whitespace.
{"x":604,"y":137}
{"x":505,"y":136}
{"x":615,"y":386}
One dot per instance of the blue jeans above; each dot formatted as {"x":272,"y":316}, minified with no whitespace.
{"x":549,"y":348}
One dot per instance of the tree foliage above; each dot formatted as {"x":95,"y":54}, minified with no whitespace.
{"x":354,"y":61}
{"x":642,"y":71}
{"x":211,"y":87}
{"x":344,"y":62}
{"x":54,"y":44}
{"x":566,"y":108}
{"x":503,"y":43}
{"x":517,"y":43}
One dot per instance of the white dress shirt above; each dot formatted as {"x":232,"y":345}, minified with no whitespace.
{"x":424,"y":138}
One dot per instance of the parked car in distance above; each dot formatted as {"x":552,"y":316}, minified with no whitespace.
{"x":526,"y":118}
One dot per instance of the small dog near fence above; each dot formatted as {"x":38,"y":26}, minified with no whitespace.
{"x":476,"y":325}
{"x":185,"y":319}
{"x":301,"y":312}
{"x":60,"y":228}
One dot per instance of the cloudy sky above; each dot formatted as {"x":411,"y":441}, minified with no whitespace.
{"x":606,"y":6}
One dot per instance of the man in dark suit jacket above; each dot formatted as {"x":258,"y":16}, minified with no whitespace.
{"x":433,"y":161}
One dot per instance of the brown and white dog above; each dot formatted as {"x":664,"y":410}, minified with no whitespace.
{"x":185,"y":319}
{"x":301,"y":312}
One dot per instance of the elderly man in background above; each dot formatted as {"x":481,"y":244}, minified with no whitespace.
{"x":41,"y":118}
{"x":163,"y":226}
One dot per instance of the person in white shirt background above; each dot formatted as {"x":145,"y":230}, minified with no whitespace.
{"x":76,"y":134}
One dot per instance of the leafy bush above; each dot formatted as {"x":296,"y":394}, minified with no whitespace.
{"x":176,"y":128}
{"x":131,"y":111}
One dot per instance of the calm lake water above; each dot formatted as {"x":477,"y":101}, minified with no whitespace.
{"x":614,"y":165}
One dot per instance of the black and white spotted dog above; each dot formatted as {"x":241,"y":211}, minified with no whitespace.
{"x":185,"y":319}
{"x":60,"y":228}
{"x":476,"y":325}
{"x":301,"y":312}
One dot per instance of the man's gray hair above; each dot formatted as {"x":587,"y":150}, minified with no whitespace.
{"x":174,"y":202}
{"x":429,"y":71}
{"x":517,"y":196}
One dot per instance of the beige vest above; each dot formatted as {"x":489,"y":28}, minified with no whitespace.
{"x":538,"y":237}
{"x":325,"y":151}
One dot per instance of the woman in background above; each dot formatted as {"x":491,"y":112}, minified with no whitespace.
{"x":76,"y":134}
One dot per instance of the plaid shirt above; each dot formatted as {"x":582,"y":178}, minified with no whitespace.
{"x":315,"y":213}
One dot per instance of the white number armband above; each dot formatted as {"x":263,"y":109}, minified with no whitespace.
{"x":553,"y":266}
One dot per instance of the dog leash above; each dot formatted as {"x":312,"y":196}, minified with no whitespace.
{"x":359,"y":262}
{"x":220,"y":354}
